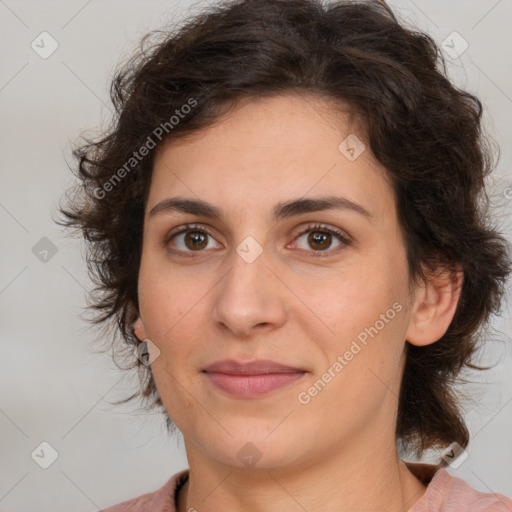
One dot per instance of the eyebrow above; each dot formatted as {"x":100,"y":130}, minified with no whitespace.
{"x":281,"y":210}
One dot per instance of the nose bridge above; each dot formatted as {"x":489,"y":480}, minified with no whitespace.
{"x":248,"y":266}
{"x":249,"y":294}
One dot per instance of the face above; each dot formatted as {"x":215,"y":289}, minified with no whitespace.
{"x":320,"y":289}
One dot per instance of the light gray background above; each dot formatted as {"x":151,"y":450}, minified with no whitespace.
{"x":54,"y":388}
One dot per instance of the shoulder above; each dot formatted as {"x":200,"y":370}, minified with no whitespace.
{"x":447,"y":493}
{"x":162,"y":500}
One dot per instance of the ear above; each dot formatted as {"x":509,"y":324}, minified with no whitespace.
{"x":138,"y":328}
{"x":434,"y":306}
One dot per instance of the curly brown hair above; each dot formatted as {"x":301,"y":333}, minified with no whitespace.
{"x":425,"y":131}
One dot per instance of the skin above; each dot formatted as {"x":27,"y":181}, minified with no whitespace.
{"x":336,"y":453}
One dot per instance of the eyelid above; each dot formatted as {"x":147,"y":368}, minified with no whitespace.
{"x":325,"y":227}
{"x":187,"y":227}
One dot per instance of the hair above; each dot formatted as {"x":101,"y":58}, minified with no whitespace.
{"x":426,"y":132}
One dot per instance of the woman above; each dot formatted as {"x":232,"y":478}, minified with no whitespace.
{"x":286,"y":223}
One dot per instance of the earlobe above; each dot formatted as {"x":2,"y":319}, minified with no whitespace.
{"x":138,"y":329}
{"x":435,"y":306}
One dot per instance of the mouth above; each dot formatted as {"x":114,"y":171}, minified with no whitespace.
{"x":253,"y":379}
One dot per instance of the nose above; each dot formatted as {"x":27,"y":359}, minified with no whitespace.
{"x":250,"y":299}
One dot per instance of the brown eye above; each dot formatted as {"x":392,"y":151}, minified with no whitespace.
{"x":320,"y":239}
{"x":195,"y":240}
{"x":191,"y":239}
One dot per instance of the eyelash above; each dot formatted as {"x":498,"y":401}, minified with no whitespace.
{"x":312,"y":227}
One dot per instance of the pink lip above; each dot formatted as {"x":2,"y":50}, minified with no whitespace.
{"x":253,"y":379}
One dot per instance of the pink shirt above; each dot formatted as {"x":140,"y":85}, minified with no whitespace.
{"x":444,"y":493}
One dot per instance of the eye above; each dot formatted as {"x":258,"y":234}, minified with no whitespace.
{"x":196,"y":238}
{"x":190,"y":238}
{"x":320,"y":239}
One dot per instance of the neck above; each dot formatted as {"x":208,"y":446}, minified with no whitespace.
{"x":388,"y":486}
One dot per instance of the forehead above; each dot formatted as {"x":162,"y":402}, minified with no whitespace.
{"x":270,"y":149}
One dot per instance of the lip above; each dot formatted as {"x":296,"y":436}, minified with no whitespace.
{"x":257,"y":367}
{"x":251,"y":379}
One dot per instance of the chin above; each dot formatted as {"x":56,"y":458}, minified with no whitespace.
{"x":255,"y":449}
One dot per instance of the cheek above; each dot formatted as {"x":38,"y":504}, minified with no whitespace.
{"x":365,"y":309}
{"x":349,"y":302}
{"x":175,"y":308}
{"x":170,"y":311}
{"x":361,"y":365}
{"x":166,"y":301}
